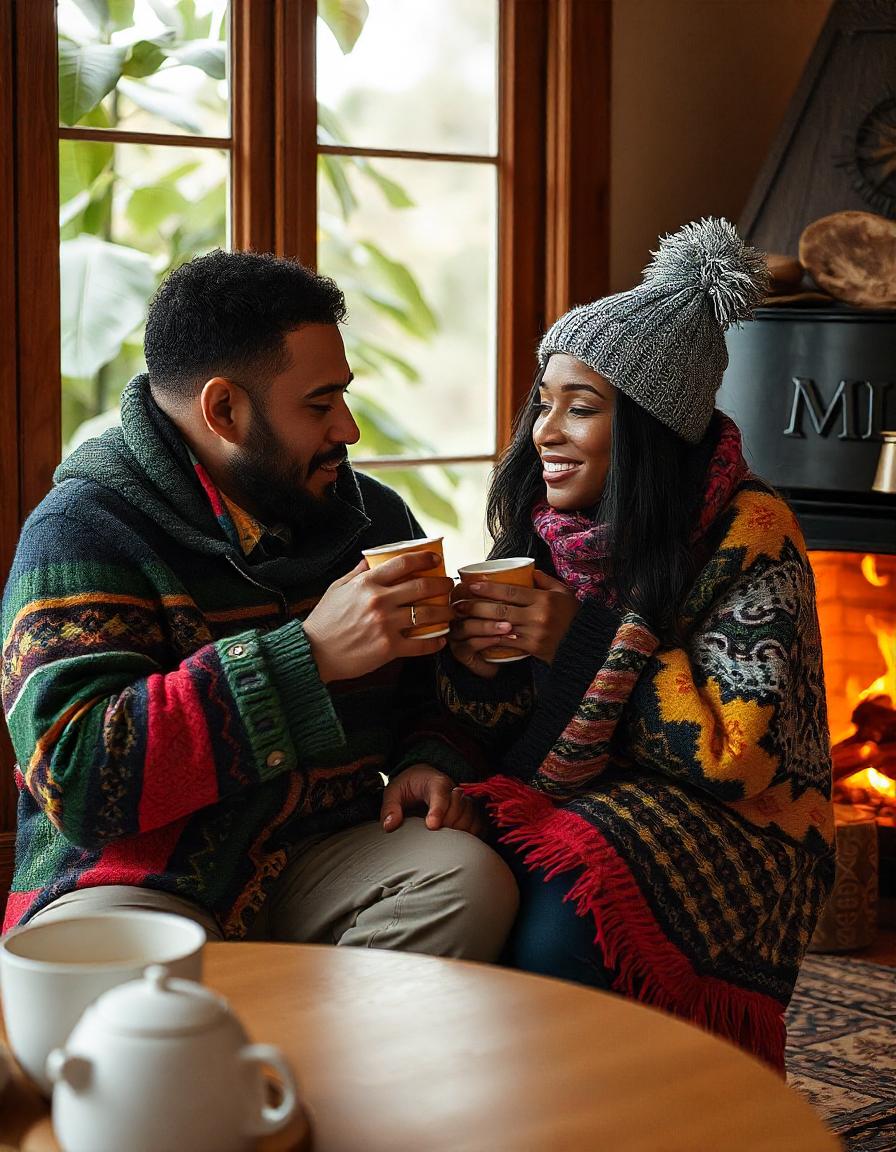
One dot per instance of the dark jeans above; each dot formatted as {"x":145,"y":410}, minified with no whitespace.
{"x":548,"y":938}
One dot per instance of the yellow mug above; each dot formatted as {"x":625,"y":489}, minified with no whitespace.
{"x":517,"y":570}
{"x":384,"y":552}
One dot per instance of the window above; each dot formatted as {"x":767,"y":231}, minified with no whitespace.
{"x":144,"y":168}
{"x":407,"y":224}
{"x":196,"y":124}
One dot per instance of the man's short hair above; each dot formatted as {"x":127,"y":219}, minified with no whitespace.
{"x":227,"y":313}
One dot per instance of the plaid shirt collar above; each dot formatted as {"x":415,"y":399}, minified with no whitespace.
{"x":240,"y":527}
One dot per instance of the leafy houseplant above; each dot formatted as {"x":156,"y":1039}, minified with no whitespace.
{"x":129,"y":213}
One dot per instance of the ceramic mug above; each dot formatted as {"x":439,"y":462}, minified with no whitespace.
{"x":384,"y":552}
{"x":517,"y":570}
{"x":51,"y":971}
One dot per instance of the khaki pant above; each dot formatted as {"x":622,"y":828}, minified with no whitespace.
{"x":444,"y":893}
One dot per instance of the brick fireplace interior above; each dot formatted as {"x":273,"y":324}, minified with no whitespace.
{"x":857,"y":612}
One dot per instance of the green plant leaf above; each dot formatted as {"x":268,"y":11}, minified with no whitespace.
{"x":169,"y":15}
{"x":106,"y":288}
{"x":394,"y":193}
{"x":97,"y":12}
{"x":209,"y":55}
{"x":80,"y":163}
{"x":98,"y":213}
{"x":402,"y":282}
{"x":345,"y":19}
{"x":121,"y":13}
{"x":422,"y":497}
{"x":329,"y":122}
{"x":86,"y":74}
{"x":399,"y":437}
{"x":377,"y":358}
{"x":164,"y":104}
{"x":333,"y":168}
{"x":144,"y":58}
{"x":71,"y":209}
{"x":374,"y":442}
{"x":406,"y":369}
{"x":208,"y":211}
{"x":149,"y":207}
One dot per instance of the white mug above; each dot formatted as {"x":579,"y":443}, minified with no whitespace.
{"x":51,"y":971}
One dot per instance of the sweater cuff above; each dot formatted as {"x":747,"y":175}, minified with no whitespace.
{"x":307,"y":705}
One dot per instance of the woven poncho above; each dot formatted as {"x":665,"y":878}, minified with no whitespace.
{"x":684,"y":790}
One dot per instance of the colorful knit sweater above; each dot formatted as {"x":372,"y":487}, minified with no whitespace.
{"x":171,"y":727}
{"x":686,"y":790}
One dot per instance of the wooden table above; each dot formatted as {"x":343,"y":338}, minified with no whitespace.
{"x":405,"y":1053}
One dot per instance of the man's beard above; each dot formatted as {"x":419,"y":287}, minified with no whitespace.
{"x":275,"y":485}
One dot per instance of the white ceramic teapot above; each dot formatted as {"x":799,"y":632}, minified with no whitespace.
{"x":163,"y":1065}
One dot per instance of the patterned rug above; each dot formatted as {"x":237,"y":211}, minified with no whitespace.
{"x":841,"y":1048}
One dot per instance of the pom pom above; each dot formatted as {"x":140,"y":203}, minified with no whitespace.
{"x":711,"y":258}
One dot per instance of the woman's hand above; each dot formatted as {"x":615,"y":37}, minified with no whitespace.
{"x":424,"y":789}
{"x":467,"y":638}
{"x":534,"y":620}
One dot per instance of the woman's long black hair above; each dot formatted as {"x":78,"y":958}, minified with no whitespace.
{"x":650,"y":502}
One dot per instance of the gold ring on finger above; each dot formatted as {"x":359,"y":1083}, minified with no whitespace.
{"x":413,"y":616}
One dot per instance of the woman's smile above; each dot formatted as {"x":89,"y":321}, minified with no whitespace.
{"x":558,"y":469}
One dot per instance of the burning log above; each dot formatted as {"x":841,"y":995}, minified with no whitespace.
{"x":873,"y":744}
{"x":850,"y":757}
{"x":875,"y":719}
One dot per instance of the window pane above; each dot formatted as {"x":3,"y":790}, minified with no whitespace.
{"x":128,"y":214}
{"x":145,"y":65}
{"x":422,"y":75}
{"x":463,"y":488}
{"x":412,"y":244}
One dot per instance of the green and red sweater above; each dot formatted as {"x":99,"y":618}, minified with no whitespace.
{"x":170,"y":725}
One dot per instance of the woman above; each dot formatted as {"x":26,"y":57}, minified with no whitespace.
{"x":664,"y":785}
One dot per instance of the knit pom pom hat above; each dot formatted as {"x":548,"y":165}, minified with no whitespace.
{"x":663,"y":342}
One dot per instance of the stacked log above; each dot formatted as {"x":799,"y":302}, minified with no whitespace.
{"x":872,"y":745}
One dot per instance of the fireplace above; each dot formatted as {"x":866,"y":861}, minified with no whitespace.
{"x":813,"y":391}
{"x":857,"y":613}
{"x":812,"y":385}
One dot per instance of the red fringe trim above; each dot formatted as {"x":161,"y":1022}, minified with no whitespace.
{"x":647,"y":966}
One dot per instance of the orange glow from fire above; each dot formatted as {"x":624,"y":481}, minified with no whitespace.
{"x":873,"y":781}
{"x":869,"y":571}
{"x":883,"y":687}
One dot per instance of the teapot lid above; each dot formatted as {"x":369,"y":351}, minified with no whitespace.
{"x":160,"y":1005}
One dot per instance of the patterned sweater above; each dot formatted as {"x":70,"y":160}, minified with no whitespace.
{"x":685,"y":790}
{"x":171,"y":727}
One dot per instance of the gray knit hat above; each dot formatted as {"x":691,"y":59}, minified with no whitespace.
{"x":663,"y":342}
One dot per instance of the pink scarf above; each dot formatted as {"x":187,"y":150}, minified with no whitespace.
{"x":579,"y":546}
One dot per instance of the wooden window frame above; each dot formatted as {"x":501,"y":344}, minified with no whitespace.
{"x":553,"y":197}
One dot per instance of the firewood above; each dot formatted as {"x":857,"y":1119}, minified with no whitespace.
{"x":849,"y":757}
{"x":875,"y":719}
{"x":852,"y":255}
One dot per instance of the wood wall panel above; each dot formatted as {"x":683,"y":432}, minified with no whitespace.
{"x":9,"y":405}
{"x":37,"y":248}
{"x":578,"y":154}
{"x":521,"y":201}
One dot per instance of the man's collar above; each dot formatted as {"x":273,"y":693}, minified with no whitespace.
{"x":239,"y":526}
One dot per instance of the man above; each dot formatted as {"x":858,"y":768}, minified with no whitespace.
{"x":202,"y":680}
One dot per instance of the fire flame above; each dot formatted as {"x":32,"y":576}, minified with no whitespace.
{"x":884,"y":686}
{"x":869,"y":571}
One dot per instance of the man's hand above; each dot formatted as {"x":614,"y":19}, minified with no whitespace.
{"x":425,"y":789}
{"x":533,"y":620}
{"x":361,"y":621}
